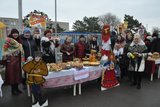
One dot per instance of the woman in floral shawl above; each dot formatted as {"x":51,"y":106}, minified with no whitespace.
{"x":137,"y":51}
{"x":12,"y":56}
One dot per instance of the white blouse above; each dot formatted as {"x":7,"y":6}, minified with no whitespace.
{"x":105,"y":46}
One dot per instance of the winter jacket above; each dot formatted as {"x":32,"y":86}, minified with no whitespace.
{"x":67,"y":48}
{"x":13,"y":73}
{"x":113,"y":39}
{"x":29,"y":46}
{"x":48,"y":49}
{"x":80,"y":49}
{"x":155,"y":46}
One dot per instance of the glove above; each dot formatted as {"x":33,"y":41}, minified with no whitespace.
{"x":129,"y":55}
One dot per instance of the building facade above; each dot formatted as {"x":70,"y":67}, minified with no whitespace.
{"x":14,"y":23}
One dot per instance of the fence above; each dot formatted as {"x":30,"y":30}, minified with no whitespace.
{"x":75,"y":36}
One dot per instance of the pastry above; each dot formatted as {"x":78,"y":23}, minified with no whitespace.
{"x":94,"y":63}
{"x":86,"y":63}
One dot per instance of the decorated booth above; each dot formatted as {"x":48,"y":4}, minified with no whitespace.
{"x":3,"y":35}
{"x":37,"y":18}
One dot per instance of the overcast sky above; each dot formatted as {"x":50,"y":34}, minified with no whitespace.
{"x":146,"y":11}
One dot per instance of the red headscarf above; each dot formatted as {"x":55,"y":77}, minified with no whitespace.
{"x":106,"y":33}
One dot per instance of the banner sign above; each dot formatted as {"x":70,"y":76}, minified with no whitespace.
{"x":36,"y":20}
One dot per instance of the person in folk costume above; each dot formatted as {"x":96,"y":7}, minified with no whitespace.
{"x":118,"y":51}
{"x":137,"y":51}
{"x":129,"y":39}
{"x":106,"y":42}
{"x":119,"y":45}
{"x":141,"y":32}
{"x":36,"y":69}
{"x":110,"y":79}
{"x":13,"y":58}
{"x":92,"y":45}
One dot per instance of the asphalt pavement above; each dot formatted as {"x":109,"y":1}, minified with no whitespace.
{"x":121,"y":96}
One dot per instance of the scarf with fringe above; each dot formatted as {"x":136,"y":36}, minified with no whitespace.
{"x":12,"y":48}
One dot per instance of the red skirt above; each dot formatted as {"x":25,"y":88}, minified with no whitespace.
{"x":104,"y":52}
{"x":110,"y":79}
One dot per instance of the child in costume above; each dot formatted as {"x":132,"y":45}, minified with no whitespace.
{"x":137,"y":51}
{"x":36,"y":69}
{"x":110,"y":79}
{"x":106,"y":42}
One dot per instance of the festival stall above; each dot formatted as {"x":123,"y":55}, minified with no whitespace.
{"x":150,"y":64}
{"x":3,"y":35}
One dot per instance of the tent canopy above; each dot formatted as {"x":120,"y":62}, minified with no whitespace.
{"x":2,"y":25}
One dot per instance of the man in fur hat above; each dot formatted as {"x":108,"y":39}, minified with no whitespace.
{"x":36,"y":69}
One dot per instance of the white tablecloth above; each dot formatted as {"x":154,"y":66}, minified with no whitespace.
{"x":66,"y":77}
{"x":157,"y":61}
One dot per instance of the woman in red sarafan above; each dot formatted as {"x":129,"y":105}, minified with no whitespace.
{"x":110,"y":79}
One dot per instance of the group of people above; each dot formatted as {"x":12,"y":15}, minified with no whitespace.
{"x":32,"y":43}
{"x":18,"y":48}
{"x":130,"y":52}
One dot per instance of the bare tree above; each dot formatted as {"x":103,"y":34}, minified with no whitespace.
{"x":155,"y":30}
{"x":109,"y":19}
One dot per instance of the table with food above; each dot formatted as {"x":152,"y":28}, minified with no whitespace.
{"x":73,"y":72}
{"x":151,"y":63}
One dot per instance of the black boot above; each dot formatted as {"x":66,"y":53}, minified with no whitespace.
{"x":41,"y":102}
{"x":139,"y":80}
{"x":14,"y":92}
{"x":135,"y":79}
{"x":129,"y":76}
{"x":35,"y":95}
{"x":17,"y":89}
{"x":24,"y":84}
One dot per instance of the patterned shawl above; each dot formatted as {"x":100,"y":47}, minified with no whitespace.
{"x":12,"y":48}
